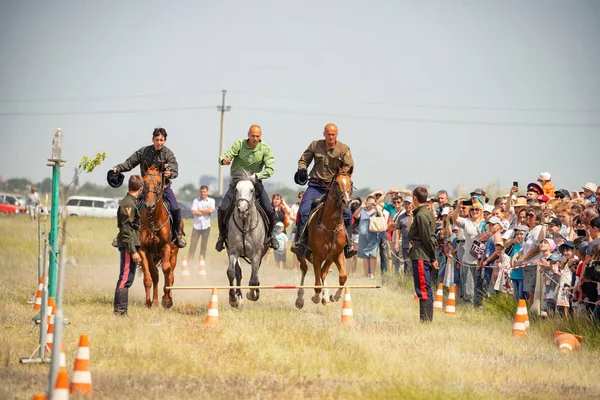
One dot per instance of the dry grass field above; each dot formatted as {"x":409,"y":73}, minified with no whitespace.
{"x":269,"y":349}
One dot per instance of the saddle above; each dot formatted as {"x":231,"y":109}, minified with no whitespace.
{"x":315,"y":206}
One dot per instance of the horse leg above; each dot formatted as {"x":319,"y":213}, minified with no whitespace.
{"x":254,"y":294}
{"x":147,"y":277}
{"x":340,"y":262}
{"x":154,"y":275}
{"x":168,"y":272}
{"x":324,"y":272}
{"x":233,"y":300}
{"x":303,"y":270}
{"x":238,"y":279}
{"x":317,"y":262}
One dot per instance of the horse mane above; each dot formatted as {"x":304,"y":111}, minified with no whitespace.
{"x":241,"y":175}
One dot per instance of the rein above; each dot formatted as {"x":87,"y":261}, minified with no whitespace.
{"x":337,"y":196}
{"x":151,"y":208}
{"x":242,"y":229}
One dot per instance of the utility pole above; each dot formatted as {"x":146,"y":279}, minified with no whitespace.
{"x":223,"y":109}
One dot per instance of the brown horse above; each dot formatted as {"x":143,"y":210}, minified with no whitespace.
{"x":327,"y":237}
{"x":156,"y":247}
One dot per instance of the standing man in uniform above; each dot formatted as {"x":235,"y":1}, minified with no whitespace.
{"x":157,"y":154}
{"x":422,"y":253}
{"x":128,"y":240}
{"x":328,"y":155}
{"x":250,"y":155}
{"x":33,"y":203}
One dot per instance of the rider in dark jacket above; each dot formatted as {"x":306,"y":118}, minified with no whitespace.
{"x":158,"y":154}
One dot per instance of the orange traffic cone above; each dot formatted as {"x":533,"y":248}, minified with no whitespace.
{"x":213,"y":309}
{"x":185,"y":272}
{"x":61,"y":387}
{"x":438,"y":300}
{"x":82,"y":376}
{"x":39,"y":396}
{"x":347,"y":313}
{"x":62,"y":361}
{"x":567,"y":342}
{"x":451,"y":302}
{"x":520,"y":318}
{"x":201,"y":269}
{"x":51,"y":310}
{"x":37,"y":306}
{"x":416,"y":298}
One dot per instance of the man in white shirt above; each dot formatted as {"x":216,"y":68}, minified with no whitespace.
{"x":202,"y":208}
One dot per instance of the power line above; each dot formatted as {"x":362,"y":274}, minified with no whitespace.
{"x":426,"y":106}
{"x":118,"y":97}
{"x":427,"y":120}
{"x":130,"y":111}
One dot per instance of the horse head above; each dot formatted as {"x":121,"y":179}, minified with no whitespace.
{"x":341,"y":187}
{"x":153,"y":186}
{"x":244,"y":197}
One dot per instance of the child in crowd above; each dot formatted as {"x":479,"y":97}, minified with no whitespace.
{"x":280,"y":254}
{"x":566,"y":267}
{"x":516,"y":274}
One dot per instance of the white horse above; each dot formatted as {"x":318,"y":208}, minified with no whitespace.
{"x":246,"y":233}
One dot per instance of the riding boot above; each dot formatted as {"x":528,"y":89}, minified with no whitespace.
{"x":177,"y":231}
{"x":349,"y":250}
{"x":121,"y":301}
{"x":221,"y":224}
{"x":425,"y":310}
{"x":273,"y":243}
{"x":298,"y":248}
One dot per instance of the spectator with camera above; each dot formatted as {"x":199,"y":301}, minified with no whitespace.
{"x":588,"y":284}
{"x":401,"y":242}
{"x":368,"y":241}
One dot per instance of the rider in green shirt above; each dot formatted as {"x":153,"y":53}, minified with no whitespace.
{"x":253,"y":156}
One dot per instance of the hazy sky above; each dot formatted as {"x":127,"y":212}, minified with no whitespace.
{"x":445,"y":93}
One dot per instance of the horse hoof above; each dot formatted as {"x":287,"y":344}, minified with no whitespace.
{"x":250,"y":296}
{"x":324,"y":301}
{"x":167,"y":304}
{"x":149,"y":304}
{"x":299,"y":303}
{"x":233,"y":302}
{"x":315,"y":299}
{"x":332,"y":299}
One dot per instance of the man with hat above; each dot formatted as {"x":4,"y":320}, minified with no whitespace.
{"x":480,"y":193}
{"x":554,"y":231}
{"x":327,"y":155}
{"x":161,"y":156}
{"x":533,"y":191}
{"x":562,"y":194}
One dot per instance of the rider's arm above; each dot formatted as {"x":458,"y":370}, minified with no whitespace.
{"x":173,"y":166}
{"x":269,"y":162}
{"x":233,"y":151}
{"x":306,"y":157}
{"x":132,"y":162}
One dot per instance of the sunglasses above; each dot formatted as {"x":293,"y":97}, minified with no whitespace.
{"x":397,"y":201}
{"x":530,"y":215}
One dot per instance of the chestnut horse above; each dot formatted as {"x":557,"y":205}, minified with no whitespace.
{"x":155,"y":232}
{"x":327,"y":237}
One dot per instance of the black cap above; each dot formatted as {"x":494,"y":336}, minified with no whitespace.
{"x":554,"y":221}
{"x":114,"y":179}
{"x":534,"y":187}
{"x":563,"y":192}
{"x":595,"y":223}
{"x":568,"y":243}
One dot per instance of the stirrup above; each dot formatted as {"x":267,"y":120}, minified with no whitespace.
{"x":220,"y":245}
{"x":349,"y":251}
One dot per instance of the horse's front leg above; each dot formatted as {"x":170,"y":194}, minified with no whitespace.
{"x":303,"y":270}
{"x":147,"y":276}
{"x":233,"y":300}
{"x":154,"y":275}
{"x":324,"y":272}
{"x":169,"y":274}
{"x":341,"y":264}
{"x":254,"y":294}
{"x":317,"y":262}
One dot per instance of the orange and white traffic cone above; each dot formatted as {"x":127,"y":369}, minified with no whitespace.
{"x":213,"y":309}
{"x":82,"y":375}
{"x":347,"y":313}
{"x":37,"y":306}
{"x":567,"y":342}
{"x":451,"y":302}
{"x":61,"y":387}
{"x":520,"y":318}
{"x":438,"y":300}
{"x":202,"y":269}
{"x":51,"y":310}
{"x":39,"y":396}
{"x":62,"y":361}
{"x":185,"y":272}
{"x":526,"y":316}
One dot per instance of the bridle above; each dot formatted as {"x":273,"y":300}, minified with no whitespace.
{"x":338,"y":194}
{"x":338,"y":197}
{"x":244,"y":229}
{"x":158,"y":192}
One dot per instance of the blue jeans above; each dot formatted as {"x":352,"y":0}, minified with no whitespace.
{"x":383,"y":243}
{"x":168,"y":193}
{"x":518,"y":289}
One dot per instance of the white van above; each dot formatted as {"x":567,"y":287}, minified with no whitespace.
{"x":86,"y":206}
